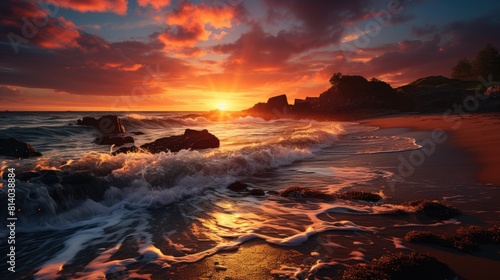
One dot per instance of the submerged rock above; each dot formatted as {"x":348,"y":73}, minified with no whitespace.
{"x":110,"y":124}
{"x":190,"y":140}
{"x":114,"y":140}
{"x":359,"y":195}
{"x":400,"y":266}
{"x":23,"y":176}
{"x":304,"y":192}
{"x":13,"y":147}
{"x":237,"y":186}
{"x":466,"y":239}
{"x":434,"y":209}
{"x":256,"y":192}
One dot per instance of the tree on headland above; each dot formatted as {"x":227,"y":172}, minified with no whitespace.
{"x":463,"y":70}
{"x":486,"y":62}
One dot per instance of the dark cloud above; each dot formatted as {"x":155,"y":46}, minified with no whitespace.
{"x":424,"y":30}
{"x":81,"y":63}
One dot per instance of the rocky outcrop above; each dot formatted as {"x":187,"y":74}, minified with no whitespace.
{"x":109,"y":124}
{"x":13,"y":147}
{"x":114,"y":140}
{"x":190,"y":140}
{"x":275,"y":107}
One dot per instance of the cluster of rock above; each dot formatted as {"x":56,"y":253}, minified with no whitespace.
{"x":190,"y":140}
{"x":354,"y":97}
{"x":111,"y":125}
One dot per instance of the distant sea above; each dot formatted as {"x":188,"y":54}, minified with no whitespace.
{"x":173,"y":208}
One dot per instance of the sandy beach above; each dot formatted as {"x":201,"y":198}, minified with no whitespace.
{"x":464,"y":165}
{"x":477,"y":134}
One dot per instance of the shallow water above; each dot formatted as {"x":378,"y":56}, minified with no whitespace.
{"x":171,"y":208}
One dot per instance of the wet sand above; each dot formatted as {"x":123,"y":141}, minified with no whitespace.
{"x":478,"y":134}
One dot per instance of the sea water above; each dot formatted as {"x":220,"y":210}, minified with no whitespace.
{"x":172,"y":208}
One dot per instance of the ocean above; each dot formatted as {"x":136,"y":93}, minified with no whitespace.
{"x":174,"y":208}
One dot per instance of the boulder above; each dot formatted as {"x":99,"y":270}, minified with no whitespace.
{"x":256,"y":192}
{"x":13,"y":147}
{"x":113,"y":140}
{"x":279,"y":102}
{"x":275,"y":107}
{"x":237,"y":186}
{"x":23,"y":176}
{"x":191,"y":139}
{"x":109,"y":124}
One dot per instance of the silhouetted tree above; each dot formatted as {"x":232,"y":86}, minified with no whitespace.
{"x":487,"y":62}
{"x":463,"y":70}
{"x":335,"y":79}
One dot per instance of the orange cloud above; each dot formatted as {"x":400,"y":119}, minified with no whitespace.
{"x":114,"y":6}
{"x":60,"y":35}
{"x":188,"y":24}
{"x":157,"y":4}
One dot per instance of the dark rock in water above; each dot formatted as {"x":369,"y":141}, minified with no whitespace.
{"x":109,"y":124}
{"x":114,"y":140}
{"x":400,"y":266}
{"x":50,"y":177}
{"x":434,"y":209}
{"x":22,"y":176}
{"x":423,"y":236}
{"x":66,"y":187}
{"x":273,"y":193}
{"x":126,"y":150}
{"x":13,"y":147}
{"x":303,"y":192}
{"x":359,"y":195}
{"x":77,"y":178}
{"x":192,"y":139}
{"x":237,"y":186}
{"x":256,"y":192}
{"x":138,"y":133}
{"x":466,"y":239}
{"x":396,"y":212}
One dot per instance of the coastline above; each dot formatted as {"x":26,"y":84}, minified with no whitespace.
{"x":453,"y":166}
{"x":475,"y":133}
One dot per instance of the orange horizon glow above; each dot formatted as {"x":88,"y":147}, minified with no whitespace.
{"x":163,"y":55}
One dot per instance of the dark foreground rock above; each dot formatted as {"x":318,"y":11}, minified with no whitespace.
{"x":190,"y":140}
{"x":13,"y":147}
{"x":109,"y":124}
{"x":237,"y":186}
{"x":466,"y":239}
{"x":257,"y":192}
{"x":65,"y":187}
{"x":359,"y":195}
{"x":114,"y":140}
{"x":304,"y":192}
{"x":434,"y":209}
{"x":400,"y":266}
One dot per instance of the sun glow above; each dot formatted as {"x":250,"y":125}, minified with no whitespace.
{"x":222,"y":106}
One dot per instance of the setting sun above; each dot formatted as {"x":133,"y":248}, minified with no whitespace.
{"x":222,"y":106}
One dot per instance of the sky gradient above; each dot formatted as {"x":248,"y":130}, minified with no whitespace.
{"x":166,"y":55}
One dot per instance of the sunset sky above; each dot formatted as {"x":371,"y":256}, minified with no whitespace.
{"x":140,"y":55}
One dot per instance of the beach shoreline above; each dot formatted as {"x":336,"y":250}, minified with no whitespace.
{"x":474,"y":133}
{"x":455,"y":164}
